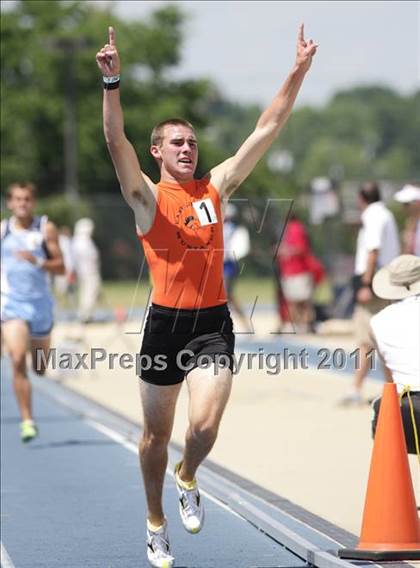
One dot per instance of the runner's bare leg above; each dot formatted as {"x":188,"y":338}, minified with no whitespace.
{"x":209,"y":392}
{"x":158,"y":404}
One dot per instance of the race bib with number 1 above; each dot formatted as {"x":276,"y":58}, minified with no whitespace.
{"x":205,"y":212}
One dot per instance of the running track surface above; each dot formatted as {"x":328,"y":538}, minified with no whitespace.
{"x":73,"y":498}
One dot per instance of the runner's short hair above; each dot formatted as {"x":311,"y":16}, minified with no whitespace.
{"x":29,"y":186}
{"x":157,"y":132}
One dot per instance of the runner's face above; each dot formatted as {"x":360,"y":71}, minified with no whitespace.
{"x":178,"y":152}
{"x":21,"y":203}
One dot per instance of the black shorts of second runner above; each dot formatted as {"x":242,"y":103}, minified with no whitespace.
{"x":177,"y":341}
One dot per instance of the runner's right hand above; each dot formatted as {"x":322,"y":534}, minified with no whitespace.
{"x":107,"y":58}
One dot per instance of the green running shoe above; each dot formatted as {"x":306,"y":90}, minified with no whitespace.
{"x":28,"y":430}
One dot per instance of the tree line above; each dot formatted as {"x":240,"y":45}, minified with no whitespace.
{"x":47,"y":59}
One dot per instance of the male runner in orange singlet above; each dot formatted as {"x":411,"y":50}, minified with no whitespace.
{"x":179,"y":221}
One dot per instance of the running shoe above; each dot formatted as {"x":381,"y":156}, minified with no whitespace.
{"x":190,"y":504}
{"x":158,"y":549}
{"x":28,"y":430}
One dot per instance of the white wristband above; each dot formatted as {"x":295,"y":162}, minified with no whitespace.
{"x":110,"y":80}
{"x":39,"y":262}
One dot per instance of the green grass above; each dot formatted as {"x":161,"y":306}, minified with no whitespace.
{"x":124,"y":293}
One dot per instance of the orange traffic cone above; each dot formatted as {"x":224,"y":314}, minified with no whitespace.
{"x":390,"y":529}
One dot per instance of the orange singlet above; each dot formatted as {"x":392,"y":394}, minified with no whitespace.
{"x":184,"y":247}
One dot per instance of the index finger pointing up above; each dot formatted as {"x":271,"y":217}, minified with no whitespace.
{"x":301,"y":33}
{"x":111,"y":36}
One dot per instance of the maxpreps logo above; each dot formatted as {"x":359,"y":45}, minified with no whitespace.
{"x":191,"y":233}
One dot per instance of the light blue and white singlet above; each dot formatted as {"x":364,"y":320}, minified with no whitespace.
{"x":25,"y":287}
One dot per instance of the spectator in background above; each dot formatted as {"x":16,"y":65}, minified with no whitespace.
{"x":396,"y":330}
{"x":296,"y":278}
{"x":377,"y":245}
{"x":64,"y":284}
{"x":87,"y":267}
{"x":409,"y":195}
{"x":236,"y":247}
{"x":282,"y":307}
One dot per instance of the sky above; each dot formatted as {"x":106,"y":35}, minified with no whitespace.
{"x":247,"y":48}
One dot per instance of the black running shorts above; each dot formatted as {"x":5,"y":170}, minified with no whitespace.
{"x":176,"y":341}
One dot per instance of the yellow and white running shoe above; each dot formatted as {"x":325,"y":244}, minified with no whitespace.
{"x":191,"y":506}
{"x":158,"y":548}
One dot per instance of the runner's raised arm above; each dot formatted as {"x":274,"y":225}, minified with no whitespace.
{"x":228,"y":175}
{"x":136,"y":187}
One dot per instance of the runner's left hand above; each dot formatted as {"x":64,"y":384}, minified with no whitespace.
{"x":305,"y":50}
{"x":26,"y":255}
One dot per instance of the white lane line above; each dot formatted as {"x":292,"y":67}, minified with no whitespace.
{"x":5,"y":559}
{"x":132,"y":447}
